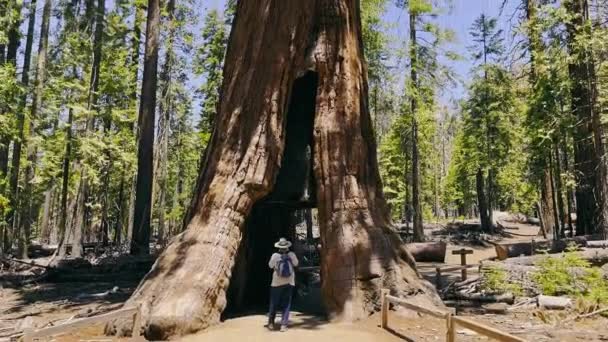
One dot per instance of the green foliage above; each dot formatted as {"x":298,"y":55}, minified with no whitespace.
{"x":209,"y":63}
{"x":495,"y":281}
{"x":573,"y":276}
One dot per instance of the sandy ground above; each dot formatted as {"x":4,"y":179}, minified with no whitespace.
{"x":303,"y":328}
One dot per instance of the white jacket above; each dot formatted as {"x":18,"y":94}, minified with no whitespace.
{"x":277,"y":280}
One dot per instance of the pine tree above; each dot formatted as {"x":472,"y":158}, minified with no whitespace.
{"x":488,"y":45}
{"x":140,"y":240}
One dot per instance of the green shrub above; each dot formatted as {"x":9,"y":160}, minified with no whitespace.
{"x":495,"y":281}
{"x":573,"y":276}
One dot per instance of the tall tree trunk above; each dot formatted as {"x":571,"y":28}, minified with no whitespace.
{"x":569,"y":190}
{"x":482,"y":203}
{"x":559,"y":190}
{"x":547,"y":209}
{"x":11,"y":58}
{"x":47,"y":212}
{"x":80,"y":220}
{"x":165,"y":110}
{"x":65,"y":182}
{"x":556,"y":218}
{"x":140,"y":240}
{"x":17,"y":211}
{"x":105,"y":196}
{"x":546,"y":203}
{"x":490,"y":198}
{"x":135,"y":49}
{"x":417,"y":207}
{"x":585,"y":154}
{"x":29,"y":212}
{"x":361,"y":252}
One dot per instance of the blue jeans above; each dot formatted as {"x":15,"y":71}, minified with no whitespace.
{"x":280,"y":299}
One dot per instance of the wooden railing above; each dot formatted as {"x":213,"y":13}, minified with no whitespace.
{"x":451,"y":320}
{"x":461,"y":268}
{"x":29,"y":335}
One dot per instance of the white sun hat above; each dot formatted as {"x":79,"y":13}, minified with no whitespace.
{"x":282,"y":243}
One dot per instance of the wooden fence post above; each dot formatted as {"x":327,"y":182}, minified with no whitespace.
{"x":385,"y":306}
{"x":438,"y":277}
{"x":450,"y":334}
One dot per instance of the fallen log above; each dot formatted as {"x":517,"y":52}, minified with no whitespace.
{"x":553,"y":303}
{"x":512,"y":250}
{"x":597,"y":257}
{"x":428,"y":251}
{"x":597,"y":244}
{"x":508,"y":298}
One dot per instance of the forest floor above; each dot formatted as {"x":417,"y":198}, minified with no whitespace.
{"x":55,"y":300}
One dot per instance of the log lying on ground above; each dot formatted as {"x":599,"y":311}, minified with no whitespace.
{"x":597,"y":244}
{"x":512,"y":250}
{"x":597,"y":257}
{"x":508,"y":298}
{"x":553,"y":303}
{"x":428,"y":251}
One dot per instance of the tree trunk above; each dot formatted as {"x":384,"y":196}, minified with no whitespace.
{"x":11,"y":57}
{"x":481,"y":202}
{"x":120,"y":213}
{"x":569,"y":190}
{"x":18,"y":214}
{"x":65,"y":180}
{"x":559,"y":191}
{"x":556,"y":218}
{"x":418,"y":227}
{"x":105,"y":196}
{"x":135,"y":47}
{"x":165,"y":110}
{"x":140,"y":240}
{"x":47,"y":212}
{"x":80,"y":211}
{"x":186,"y":289}
{"x":490,"y":197}
{"x":546,"y":203}
{"x":585,"y":160}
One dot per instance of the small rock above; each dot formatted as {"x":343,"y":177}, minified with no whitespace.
{"x":466,"y":332}
{"x":497,"y":308}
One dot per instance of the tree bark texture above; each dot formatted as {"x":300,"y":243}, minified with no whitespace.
{"x":417,"y":207}
{"x":18,"y":212}
{"x":482,"y":202}
{"x":272,"y":43}
{"x":140,"y":240}
{"x":546,"y":203}
{"x":12,"y":48}
{"x":585,"y":160}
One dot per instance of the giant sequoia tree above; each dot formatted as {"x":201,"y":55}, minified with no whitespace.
{"x":282,"y":51}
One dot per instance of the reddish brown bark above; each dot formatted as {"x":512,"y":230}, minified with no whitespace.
{"x":274,"y":42}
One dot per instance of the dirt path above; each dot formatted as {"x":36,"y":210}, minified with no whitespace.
{"x":303,"y":328}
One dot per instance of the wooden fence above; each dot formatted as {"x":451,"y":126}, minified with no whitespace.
{"x":29,"y":335}
{"x":451,"y":320}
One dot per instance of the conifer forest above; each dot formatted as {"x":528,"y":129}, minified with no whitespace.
{"x":175,"y":141}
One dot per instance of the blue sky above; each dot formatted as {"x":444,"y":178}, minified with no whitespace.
{"x":458,"y":18}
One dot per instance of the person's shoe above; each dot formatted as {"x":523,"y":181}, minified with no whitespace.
{"x":283,"y":328}
{"x":270,"y":326}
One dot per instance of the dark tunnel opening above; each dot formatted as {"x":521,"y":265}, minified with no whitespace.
{"x":290,"y":203}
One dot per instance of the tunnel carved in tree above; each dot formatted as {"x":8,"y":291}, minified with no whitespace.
{"x":274,"y":43}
